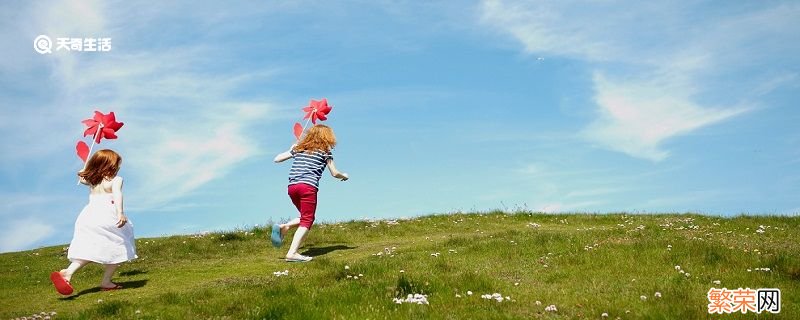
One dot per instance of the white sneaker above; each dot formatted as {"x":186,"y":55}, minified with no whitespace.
{"x":299,"y":258}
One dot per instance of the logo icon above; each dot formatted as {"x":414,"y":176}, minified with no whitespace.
{"x":42,"y":44}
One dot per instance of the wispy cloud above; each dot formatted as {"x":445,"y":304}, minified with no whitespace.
{"x":655,"y":64}
{"x":637,"y":116}
{"x":185,"y":123}
{"x":183,"y":128}
{"x":13,"y":203}
{"x":558,"y":187}
{"x":22,"y":234}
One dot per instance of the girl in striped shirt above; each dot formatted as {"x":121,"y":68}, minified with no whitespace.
{"x":311,"y":156}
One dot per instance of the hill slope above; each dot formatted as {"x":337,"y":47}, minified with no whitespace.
{"x":584,"y":265}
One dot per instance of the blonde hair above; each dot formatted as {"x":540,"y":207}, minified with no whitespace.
{"x":319,"y":138}
{"x":103,"y":164}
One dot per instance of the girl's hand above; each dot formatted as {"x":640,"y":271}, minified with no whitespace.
{"x":122,"y":221}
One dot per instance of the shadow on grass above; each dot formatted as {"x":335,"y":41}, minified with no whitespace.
{"x":316,"y":252}
{"x":132,"y":272}
{"x":125,"y":285}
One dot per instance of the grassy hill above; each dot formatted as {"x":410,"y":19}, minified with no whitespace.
{"x":584,"y":265}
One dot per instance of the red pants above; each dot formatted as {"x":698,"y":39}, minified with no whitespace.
{"x":304,"y":198}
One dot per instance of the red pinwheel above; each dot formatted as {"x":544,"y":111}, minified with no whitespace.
{"x":316,"y":110}
{"x":298,"y":130}
{"x":102,"y":126}
{"x":83,"y":150}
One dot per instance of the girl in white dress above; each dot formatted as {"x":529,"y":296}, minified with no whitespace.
{"x":103,"y":233}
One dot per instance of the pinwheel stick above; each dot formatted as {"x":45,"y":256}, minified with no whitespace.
{"x":94,"y":139}
{"x":304,"y":126}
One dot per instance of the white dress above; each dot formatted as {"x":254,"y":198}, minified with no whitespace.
{"x":97,"y":237}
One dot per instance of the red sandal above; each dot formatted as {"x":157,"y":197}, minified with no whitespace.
{"x":115,"y":287}
{"x":62,"y":285}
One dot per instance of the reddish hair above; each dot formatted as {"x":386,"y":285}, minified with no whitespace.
{"x":103,"y":164}
{"x":319,"y":138}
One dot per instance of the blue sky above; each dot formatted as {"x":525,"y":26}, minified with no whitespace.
{"x":554,"y":106}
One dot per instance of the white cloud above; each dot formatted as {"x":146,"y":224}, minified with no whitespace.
{"x":559,"y":187}
{"x":185,"y":124}
{"x":183,"y":128}
{"x":175,"y":161}
{"x":636,"y":117}
{"x":23,"y":234}
{"x":550,"y":208}
{"x":12,"y":203}
{"x":652,"y":61}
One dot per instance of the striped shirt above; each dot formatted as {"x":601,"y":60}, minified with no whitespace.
{"x":308,"y":167}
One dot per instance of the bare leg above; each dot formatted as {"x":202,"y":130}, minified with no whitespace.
{"x":73,"y":267}
{"x":107,"y":275}
{"x":299,"y":236}
{"x":289,"y":225}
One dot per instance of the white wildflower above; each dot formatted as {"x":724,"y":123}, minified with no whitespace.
{"x":281,"y":273}
{"x":494,"y":296}
{"x":657,"y":294}
{"x":644,"y":298}
{"x":413,"y":298}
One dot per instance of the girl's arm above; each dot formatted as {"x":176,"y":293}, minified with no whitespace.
{"x":116,"y":194}
{"x":336,"y":173}
{"x":285,"y":155}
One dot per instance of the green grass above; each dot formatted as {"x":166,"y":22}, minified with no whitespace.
{"x":583,"y":264}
